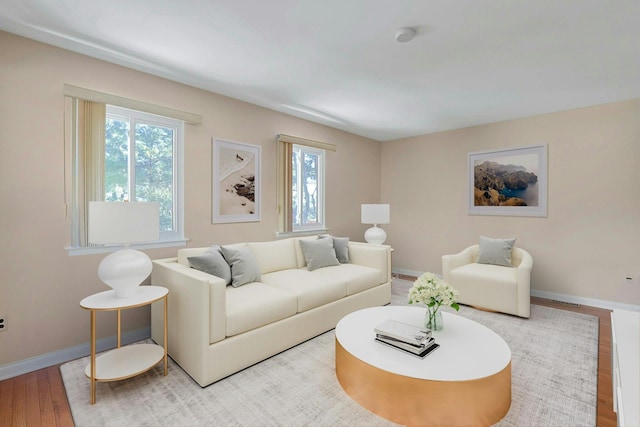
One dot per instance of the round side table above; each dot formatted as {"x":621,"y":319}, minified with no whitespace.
{"x":128,"y":361}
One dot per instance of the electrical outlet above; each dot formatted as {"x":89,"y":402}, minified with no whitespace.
{"x":3,"y":323}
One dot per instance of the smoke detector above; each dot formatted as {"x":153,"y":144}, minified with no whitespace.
{"x":405,"y":34}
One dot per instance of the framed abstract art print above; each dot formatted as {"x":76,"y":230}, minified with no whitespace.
{"x":236,"y":182}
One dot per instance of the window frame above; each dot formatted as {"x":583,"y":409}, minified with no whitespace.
{"x":74,"y":169}
{"x":320,"y":224}
{"x":284,"y":166}
{"x":136,"y":116}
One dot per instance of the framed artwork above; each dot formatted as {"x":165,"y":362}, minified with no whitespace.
{"x":236,"y":182}
{"x":510,"y":182}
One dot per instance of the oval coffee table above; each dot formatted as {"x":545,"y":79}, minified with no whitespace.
{"x":467,"y":381}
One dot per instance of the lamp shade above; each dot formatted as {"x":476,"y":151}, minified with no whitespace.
{"x":375,"y":214}
{"x":123,"y":222}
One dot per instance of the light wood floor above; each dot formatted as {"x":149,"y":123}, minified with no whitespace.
{"x":39,"y":399}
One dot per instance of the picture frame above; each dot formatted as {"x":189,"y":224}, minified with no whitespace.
{"x":236,"y":181}
{"x":508,"y":182}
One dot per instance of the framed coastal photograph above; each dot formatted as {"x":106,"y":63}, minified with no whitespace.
{"x":510,"y":182}
{"x":236,"y":182}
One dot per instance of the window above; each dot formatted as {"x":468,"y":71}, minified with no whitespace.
{"x":124,"y":154}
{"x":140,"y":162}
{"x":307,"y":186}
{"x":301,"y":165}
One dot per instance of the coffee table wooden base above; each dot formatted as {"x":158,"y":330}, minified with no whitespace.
{"x":418,"y":402}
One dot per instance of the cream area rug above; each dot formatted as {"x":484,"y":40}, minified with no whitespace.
{"x":554,"y":382}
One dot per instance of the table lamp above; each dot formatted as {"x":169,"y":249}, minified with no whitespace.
{"x":124,"y":223}
{"x":375,"y":214}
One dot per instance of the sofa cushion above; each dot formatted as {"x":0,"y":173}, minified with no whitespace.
{"x":341,"y":246}
{"x":357,"y":277}
{"x":212,"y":262}
{"x":244,"y":266}
{"x":275,"y":255}
{"x":311,"y":288}
{"x":495,"y":251}
{"x":486,"y":285}
{"x":256,"y":304}
{"x":318,"y":253}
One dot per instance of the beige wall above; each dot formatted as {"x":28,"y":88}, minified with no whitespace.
{"x":41,"y":284}
{"x":591,"y":237}
{"x":585,"y":246}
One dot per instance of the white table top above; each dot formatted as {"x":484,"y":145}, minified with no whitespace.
{"x":467,"y":350}
{"x":108,"y":300}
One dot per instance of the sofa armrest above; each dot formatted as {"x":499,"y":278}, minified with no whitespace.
{"x":449,"y":262}
{"x":374,"y":256}
{"x":194,"y":298}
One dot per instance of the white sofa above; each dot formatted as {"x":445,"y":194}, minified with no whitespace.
{"x":216,"y":330}
{"x":491,"y":287}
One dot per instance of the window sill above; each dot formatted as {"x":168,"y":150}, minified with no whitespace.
{"x":74,"y":251}
{"x":301,"y":233}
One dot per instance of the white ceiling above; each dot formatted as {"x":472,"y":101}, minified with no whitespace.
{"x":336,"y":62}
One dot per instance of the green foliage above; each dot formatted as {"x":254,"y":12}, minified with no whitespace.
{"x":116,"y":160}
{"x":153,"y":167}
{"x":305,"y":186}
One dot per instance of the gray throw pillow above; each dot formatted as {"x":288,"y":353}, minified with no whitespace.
{"x":244,"y":265}
{"x":495,"y":251}
{"x":341,"y":246}
{"x":212,"y":262}
{"x":318,"y":253}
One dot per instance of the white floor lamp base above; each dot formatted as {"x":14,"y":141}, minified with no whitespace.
{"x":375,"y":235}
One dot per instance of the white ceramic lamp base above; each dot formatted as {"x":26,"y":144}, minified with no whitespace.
{"x":124,"y":270}
{"x":375,"y":235}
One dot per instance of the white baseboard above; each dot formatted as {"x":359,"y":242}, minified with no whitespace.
{"x":21,"y":367}
{"x":591,"y":302}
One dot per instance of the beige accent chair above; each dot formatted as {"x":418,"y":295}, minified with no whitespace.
{"x":491,"y":287}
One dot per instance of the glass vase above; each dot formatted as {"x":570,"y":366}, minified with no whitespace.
{"x":433,"y":319}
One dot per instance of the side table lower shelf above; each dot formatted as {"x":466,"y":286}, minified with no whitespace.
{"x":126,"y":362}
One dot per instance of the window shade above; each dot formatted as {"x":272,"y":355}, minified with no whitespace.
{"x":288,"y":139}
{"x":89,"y":151}
{"x":107,"y":98}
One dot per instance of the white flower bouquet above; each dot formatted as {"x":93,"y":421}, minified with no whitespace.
{"x":433,"y":292}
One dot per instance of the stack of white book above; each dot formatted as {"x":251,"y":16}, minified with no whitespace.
{"x":403,"y":336}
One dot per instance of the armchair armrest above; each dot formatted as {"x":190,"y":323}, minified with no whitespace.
{"x":466,"y":256}
{"x":523,"y":276}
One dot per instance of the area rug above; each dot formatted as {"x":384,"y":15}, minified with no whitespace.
{"x":554,"y":383}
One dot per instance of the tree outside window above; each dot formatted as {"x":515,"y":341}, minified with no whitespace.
{"x":307,"y":187}
{"x":142,"y":171}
